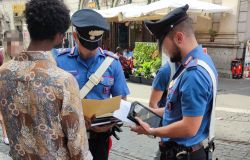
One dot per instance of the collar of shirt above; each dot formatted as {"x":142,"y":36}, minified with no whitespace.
{"x":194,"y":53}
{"x":90,"y":61}
{"x":35,"y":56}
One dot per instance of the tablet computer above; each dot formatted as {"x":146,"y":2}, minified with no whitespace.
{"x":145,"y":114}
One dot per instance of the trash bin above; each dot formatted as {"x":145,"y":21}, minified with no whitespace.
{"x":237,"y":68}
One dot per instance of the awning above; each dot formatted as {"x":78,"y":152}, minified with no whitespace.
{"x":156,"y":10}
{"x":117,"y":13}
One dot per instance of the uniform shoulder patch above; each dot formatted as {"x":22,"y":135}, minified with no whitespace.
{"x":62,"y":51}
{"x":110,"y":54}
{"x":192,"y":64}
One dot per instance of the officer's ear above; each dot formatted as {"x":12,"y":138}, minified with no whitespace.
{"x":75,"y":36}
{"x":178,"y":38}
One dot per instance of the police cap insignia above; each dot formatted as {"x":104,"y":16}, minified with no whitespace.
{"x":90,"y":27}
{"x":95,"y":33}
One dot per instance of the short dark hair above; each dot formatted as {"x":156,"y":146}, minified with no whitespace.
{"x":46,"y":18}
{"x":185,"y":26}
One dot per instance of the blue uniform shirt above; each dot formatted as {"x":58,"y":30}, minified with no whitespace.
{"x":113,"y":81}
{"x":191,"y":95}
{"x":161,"y":82}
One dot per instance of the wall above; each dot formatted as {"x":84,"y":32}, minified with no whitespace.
{"x":6,"y":7}
{"x":248,"y":21}
{"x":72,"y":5}
{"x":4,"y":25}
{"x":227,"y":45}
{"x":1,"y":29}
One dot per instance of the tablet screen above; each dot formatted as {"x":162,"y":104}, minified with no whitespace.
{"x":147,"y":116}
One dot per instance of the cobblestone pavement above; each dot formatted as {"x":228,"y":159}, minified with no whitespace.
{"x":134,"y":147}
{"x":232,"y":126}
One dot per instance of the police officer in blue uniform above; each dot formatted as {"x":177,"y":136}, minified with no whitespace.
{"x":84,"y":60}
{"x":158,"y":97}
{"x":187,"y":115}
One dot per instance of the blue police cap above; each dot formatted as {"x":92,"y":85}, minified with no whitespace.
{"x":162,"y":27}
{"x":89,"y":24}
{"x":88,"y":18}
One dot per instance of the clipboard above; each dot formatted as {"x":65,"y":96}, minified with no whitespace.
{"x":100,"y":107}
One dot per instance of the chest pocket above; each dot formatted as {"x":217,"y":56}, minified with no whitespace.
{"x":106,"y":83}
{"x":172,"y":92}
{"x":172,"y":99}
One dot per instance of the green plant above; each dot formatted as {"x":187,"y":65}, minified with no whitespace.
{"x":156,"y":65}
{"x":146,"y":69}
{"x":147,"y":59}
{"x":212,"y":34}
{"x":137,"y":72}
{"x":143,"y":52}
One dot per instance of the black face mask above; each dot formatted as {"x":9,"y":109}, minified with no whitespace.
{"x":89,"y":45}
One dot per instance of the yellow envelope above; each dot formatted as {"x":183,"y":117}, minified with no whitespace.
{"x":100,"y":107}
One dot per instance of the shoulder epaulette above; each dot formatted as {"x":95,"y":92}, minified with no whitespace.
{"x":62,"y":51}
{"x":110,"y":54}
{"x":192,"y":64}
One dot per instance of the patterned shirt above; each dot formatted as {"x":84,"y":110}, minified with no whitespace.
{"x":42,"y":110}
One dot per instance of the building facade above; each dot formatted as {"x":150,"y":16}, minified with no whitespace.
{"x":4,"y":25}
{"x":223,"y":34}
{"x":230,"y":29}
{"x":232,"y":33}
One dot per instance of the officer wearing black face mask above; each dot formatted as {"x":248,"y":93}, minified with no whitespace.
{"x":83,"y":62}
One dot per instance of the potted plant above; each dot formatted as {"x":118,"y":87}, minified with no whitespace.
{"x":136,"y":76}
{"x":147,"y":77}
{"x":147,"y":60}
{"x":212,"y":34}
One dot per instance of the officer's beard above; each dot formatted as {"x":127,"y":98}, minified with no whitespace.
{"x":176,"y":55}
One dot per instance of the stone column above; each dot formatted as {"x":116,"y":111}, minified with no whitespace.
{"x":242,"y":26}
{"x":216,"y":17}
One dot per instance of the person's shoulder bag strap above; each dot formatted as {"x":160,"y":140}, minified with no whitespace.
{"x":214,"y":81}
{"x":211,"y":146}
{"x":172,"y":70}
{"x":96,"y":77}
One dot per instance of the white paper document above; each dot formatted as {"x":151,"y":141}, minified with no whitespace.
{"x":123,"y":111}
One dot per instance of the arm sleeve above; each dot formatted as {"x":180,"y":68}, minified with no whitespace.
{"x":73,"y":122}
{"x":195,"y":91}
{"x":162,"y":78}
{"x":120,"y":87}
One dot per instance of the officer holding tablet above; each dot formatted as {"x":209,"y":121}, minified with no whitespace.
{"x":191,"y":94}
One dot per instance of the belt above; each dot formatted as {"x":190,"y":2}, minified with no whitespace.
{"x":195,"y":147}
{"x":170,"y":145}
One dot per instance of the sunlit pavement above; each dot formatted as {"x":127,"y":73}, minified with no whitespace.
{"x":232,"y":126}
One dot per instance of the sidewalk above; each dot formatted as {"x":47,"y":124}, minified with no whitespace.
{"x":4,"y":149}
{"x":232,"y":126}
{"x":134,"y":147}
